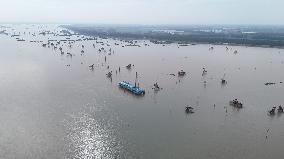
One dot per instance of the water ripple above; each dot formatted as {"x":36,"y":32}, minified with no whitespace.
{"x":93,"y":134}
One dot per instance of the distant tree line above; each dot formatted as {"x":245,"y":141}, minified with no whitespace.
{"x":265,"y":38}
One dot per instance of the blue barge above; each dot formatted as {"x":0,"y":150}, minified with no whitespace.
{"x":131,"y":88}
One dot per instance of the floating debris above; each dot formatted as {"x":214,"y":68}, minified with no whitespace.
{"x":21,"y":40}
{"x":280,"y":109}
{"x":223,"y":81}
{"x":128,"y":66}
{"x":272,"y":111}
{"x":269,"y":83}
{"x":157,"y":87}
{"x":69,"y":54}
{"x":91,"y":66}
{"x":204,"y":72}
{"x":109,"y":74}
{"x":235,"y":103}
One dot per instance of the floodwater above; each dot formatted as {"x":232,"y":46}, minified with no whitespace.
{"x":49,"y":109}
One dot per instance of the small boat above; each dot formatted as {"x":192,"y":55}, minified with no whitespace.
{"x":236,"y":103}
{"x":132,"y":88}
{"x":181,"y":73}
{"x":189,"y":110}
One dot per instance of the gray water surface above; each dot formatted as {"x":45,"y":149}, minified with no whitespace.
{"x":51,"y":110}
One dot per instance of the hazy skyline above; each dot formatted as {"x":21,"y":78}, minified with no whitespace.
{"x":266,"y":12}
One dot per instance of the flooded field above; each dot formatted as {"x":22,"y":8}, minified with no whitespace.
{"x":54,"y":105}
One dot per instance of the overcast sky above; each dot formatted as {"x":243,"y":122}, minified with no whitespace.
{"x":144,"y":11}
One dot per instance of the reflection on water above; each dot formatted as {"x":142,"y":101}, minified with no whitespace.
{"x":91,"y":134}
